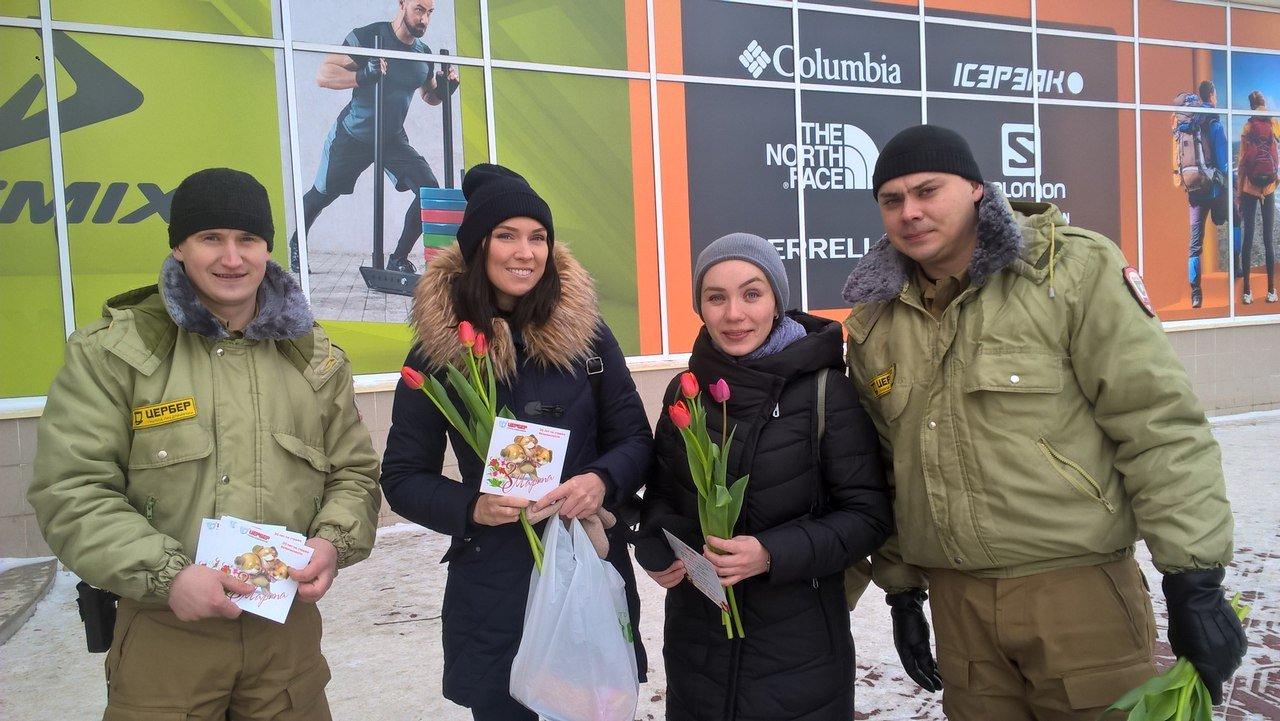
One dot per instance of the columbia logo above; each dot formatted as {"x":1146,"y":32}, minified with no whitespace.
{"x":754,"y":59}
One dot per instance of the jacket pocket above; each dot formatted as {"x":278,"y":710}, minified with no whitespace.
{"x":165,"y":464}
{"x":1014,"y":373}
{"x":169,"y":445}
{"x":1075,"y":475}
{"x":314,"y":457}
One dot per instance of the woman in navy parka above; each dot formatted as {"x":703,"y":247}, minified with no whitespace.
{"x":537,"y":306}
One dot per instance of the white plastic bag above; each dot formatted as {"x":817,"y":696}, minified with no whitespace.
{"x":576,"y":661}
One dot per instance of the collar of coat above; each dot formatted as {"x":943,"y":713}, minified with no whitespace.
{"x":563,"y":342}
{"x":282,"y":308}
{"x":883,"y":273}
{"x":1022,"y":238}
{"x":754,"y":381}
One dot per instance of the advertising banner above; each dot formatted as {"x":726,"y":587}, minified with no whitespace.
{"x":749,"y":129}
{"x":31,"y":326}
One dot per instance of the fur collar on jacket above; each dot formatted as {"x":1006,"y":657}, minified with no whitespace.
{"x":563,"y":342}
{"x":883,"y":271}
{"x":282,"y":308}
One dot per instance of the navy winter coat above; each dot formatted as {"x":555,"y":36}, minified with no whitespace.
{"x":542,"y":378}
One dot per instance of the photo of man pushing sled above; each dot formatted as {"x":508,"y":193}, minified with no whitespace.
{"x":349,"y":149}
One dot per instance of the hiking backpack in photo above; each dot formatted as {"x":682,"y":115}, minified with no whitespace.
{"x":1258,"y":161}
{"x":1191,"y":160}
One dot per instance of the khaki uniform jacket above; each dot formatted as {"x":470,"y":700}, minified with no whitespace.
{"x":153,"y":425}
{"x":1042,"y":422}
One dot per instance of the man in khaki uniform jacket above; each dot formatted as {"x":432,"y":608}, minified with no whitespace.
{"x":213,"y":393}
{"x":1038,"y":424}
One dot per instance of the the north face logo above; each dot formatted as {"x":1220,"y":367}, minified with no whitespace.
{"x":754,"y":59}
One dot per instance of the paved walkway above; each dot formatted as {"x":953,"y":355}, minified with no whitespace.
{"x":383,"y":633}
{"x":338,"y":291}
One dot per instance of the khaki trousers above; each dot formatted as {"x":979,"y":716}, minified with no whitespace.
{"x":246,"y":669}
{"x":1056,"y":646}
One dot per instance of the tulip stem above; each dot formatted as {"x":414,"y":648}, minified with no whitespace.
{"x":534,"y":544}
{"x":737,"y":617}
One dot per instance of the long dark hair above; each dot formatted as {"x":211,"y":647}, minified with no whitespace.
{"x":475,"y":299}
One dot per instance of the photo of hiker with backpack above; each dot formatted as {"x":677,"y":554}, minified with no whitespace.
{"x":1200,"y":169}
{"x":1257,"y":172}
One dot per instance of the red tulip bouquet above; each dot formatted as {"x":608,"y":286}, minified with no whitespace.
{"x":478,"y":392}
{"x":719,"y":502}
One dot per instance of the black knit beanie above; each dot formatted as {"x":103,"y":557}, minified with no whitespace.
{"x":924,"y":148}
{"x":220,"y":198}
{"x":494,"y":194}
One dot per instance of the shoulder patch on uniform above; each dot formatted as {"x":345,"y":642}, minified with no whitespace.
{"x":158,"y":414}
{"x":1139,"y":290}
{"x":882,"y":383}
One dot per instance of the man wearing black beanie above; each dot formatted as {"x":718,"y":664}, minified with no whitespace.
{"x":1038,"y":424}
{"x":209,"y":393}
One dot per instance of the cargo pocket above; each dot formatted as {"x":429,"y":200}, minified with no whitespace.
{"x":1128,"y":586}
{"x":119,"y":712}
{"x":954,"y":669}
{"x":120,"y":640}
{"x":306,"y":696}
{"x":1099,"y":688}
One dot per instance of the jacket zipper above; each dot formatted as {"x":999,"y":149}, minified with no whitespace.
{"x":1057,"y":460}
{"x":317,"y":500}
{"x":150,"y":510}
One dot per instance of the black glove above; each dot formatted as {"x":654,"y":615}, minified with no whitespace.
{"x":1203,"y":628}
{"x":369,"y":72}
{"x":444,"y":86}
{"x":911,"y":637}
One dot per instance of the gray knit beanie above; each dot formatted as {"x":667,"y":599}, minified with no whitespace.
{"x":751,"y":248}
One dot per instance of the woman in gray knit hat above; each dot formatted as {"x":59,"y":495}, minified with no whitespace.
{"x":816,"y":502}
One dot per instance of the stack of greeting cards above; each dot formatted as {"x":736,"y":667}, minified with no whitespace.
{"x":261,"y":556}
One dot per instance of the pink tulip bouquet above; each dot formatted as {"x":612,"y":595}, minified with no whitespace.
{"x":478,"y":392}
{"x":719,"y":502}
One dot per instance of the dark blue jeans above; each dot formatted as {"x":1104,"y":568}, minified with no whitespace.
{"x":1200,"y":213}
{"x":1249,"y":205}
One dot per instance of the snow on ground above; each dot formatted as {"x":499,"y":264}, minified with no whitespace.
{"x":382,"y":634}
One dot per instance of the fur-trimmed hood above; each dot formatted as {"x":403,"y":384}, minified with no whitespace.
{"x":283,"y":311}
{"x":563,"y":342}
{"x":883,"y":272}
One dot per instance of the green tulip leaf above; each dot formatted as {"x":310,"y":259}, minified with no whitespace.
{"x":739,"y":493}
{"x":697,"y":465}
{"x":439,"y":397}
{"x":476,"y":406}
{"x":723,"y":498}
{"x":492,"y":382}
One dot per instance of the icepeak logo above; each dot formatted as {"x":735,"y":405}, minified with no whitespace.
{"x":865,"y":70}
{"x":985,"y":76}
{"x":831,"y":156}
{"x":754,"y":59}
